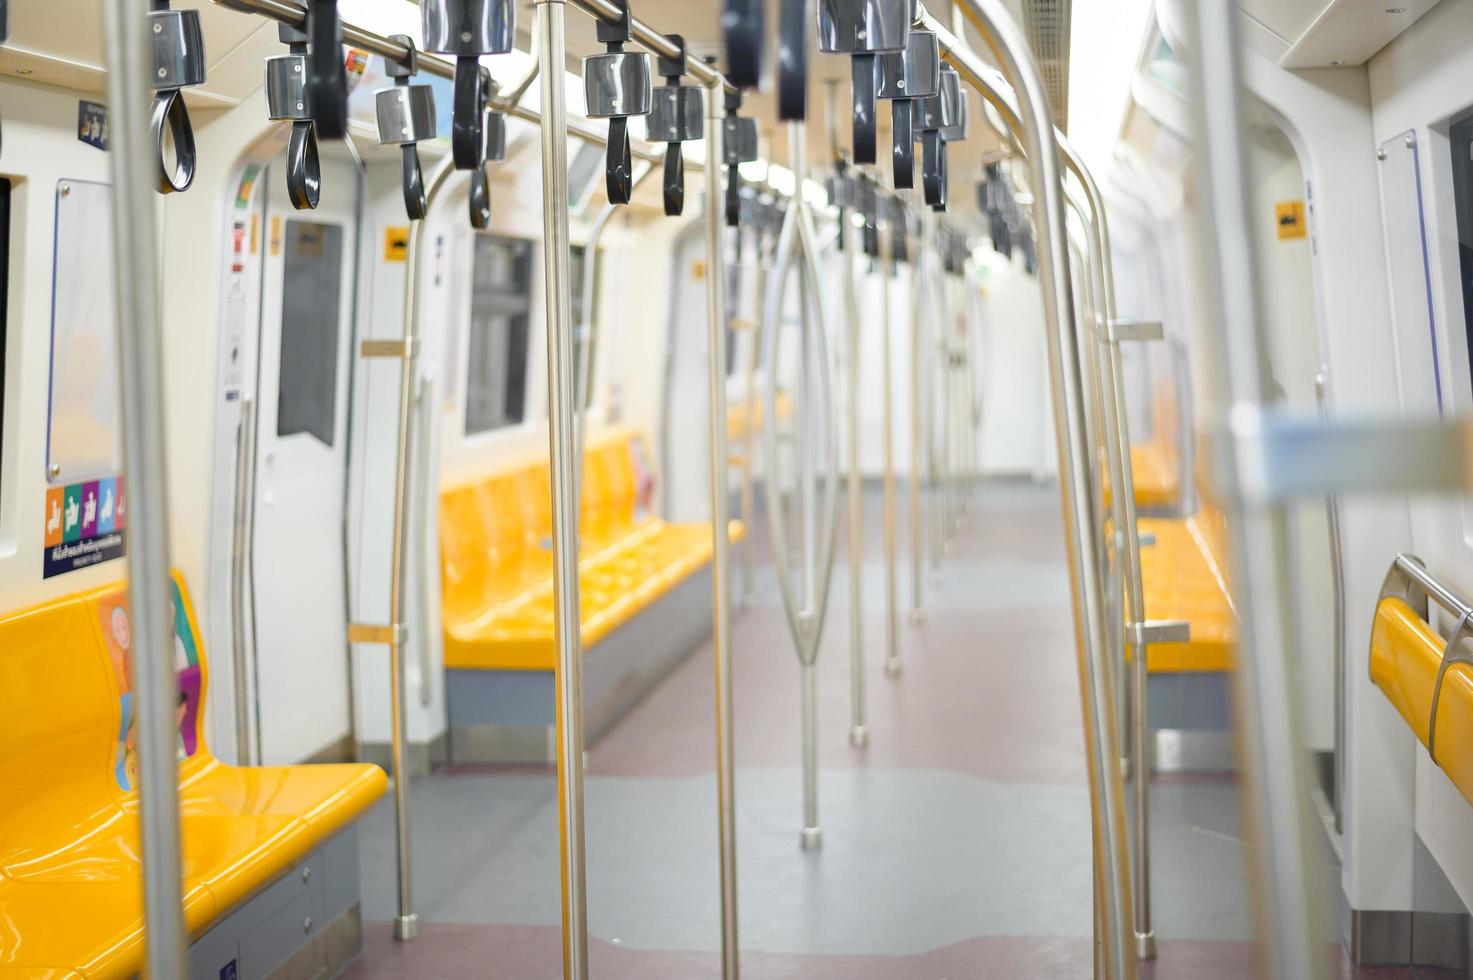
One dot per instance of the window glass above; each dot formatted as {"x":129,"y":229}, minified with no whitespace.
{"x":583,"y":346}
{"x":4,"y":294}
{"x":84,"y":440}
{"x":1461,"y":138}
{"x":496,"y":372}
{"x":311,"y":295}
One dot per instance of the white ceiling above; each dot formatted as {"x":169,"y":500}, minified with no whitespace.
{"x":1328,"y":33}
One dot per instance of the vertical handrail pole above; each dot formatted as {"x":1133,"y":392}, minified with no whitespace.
{"x":1337,"y":634}
{"x":141,"y":359}
{"x":848,"y":243}
{"x":915,"y":485}
{"x":406,"y":921}
{"x":1270,"y":745}
{"x":892,"y":629}
{"x":716,"y":328}
{"x":245,"y":442}
{"x":1104,"y":346}
{"x":1067,"y":384}
{"x":562,"y":437}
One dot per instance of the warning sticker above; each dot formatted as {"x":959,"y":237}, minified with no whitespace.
{"x":396,"y":243}
{"x":85,"y":523}
{"x":1289,"y":219}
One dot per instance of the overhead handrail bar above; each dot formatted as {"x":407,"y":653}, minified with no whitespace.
{"x":805,"y":611}
{"x":140,"y":339}
{"x":293,"y":15}
{"x":1034,"y":119}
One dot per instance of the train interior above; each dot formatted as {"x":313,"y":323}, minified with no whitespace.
{"x":975,"y":488}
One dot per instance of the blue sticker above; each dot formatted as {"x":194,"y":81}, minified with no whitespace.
{"x":92,"y":123}
{"x":229,"y":971}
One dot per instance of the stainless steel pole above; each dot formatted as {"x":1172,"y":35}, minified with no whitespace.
{"x":406,"y":921}
{"x":892,"y":629}
{"x":858,"y":730}
{"x":916,"y":484}
{"x":245,"y":442}
{"x":1270,"y":748}
{"x":1103,"y":345}
{"x":716,"y":328}
{"x":1107,"y":792}
{"x":134,"y":160}
{"x":552,"y":57}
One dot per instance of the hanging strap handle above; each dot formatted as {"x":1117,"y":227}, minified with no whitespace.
{"x":327,"y":77}
{"x":903,"y":136}
{"x":792,"y":61}
{"x":303,"y":167}
{"x":742,"y":26}
{"x":170,"y":121}
{"x":466,"y":116}
{"x":865,"y":72}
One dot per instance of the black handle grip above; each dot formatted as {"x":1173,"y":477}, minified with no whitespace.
{"x":303,"y":167}
{"x":619,"y":164}
{"x":327,"y":77}
{"x":792,"y":61}
{"x":742,"y":26}
{"x":933,"y":168}
{"x":733,"y":197}
{"x":170,"y":121}
{"x":412,"y":180}
{"x":903,"y":153}
{"x":864,"y":82}
{"x":466,"y":117}
{"x":674,"y":180}
{"x":480,"y":200}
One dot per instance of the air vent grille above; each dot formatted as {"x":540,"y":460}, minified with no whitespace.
{"x":1046,"y":23}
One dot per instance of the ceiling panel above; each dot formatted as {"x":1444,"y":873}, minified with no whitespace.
{"x":1351,"y":31}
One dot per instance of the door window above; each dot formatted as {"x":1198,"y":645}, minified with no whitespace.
{"x":496,"y":373}
{"x":311,"y":293}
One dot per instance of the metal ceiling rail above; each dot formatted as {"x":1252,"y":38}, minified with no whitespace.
{"x":295,"y":16}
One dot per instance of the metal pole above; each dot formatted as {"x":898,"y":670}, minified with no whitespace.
{"x":892,"y":644}
{"x":567,"y":634}
{"x":858,"y":730}
{"x":140,"y":354}
{"x":1276,"y":803}
{"x":716,"y":328}
{"x":406,"y":922}
{"x":915,"y":484}
{"x":241,"y":544}
{"x":1107,"y":792}
{"x":1127,"y":544}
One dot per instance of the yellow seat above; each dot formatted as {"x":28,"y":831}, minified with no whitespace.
{"x":1184,"y":577}
{"x":1404,"y":659}
{"x":498,"y":604}
{"x":70,"y":889}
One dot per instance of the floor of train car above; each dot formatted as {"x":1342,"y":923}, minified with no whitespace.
{"x":956,"y":845}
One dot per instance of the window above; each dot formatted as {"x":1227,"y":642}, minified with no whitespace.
{"x":1461,"y":138}
{"x":583,"y":346}
{"x":4,"y":294}
{"x":496,"y":372}
{"x":306,"y":399}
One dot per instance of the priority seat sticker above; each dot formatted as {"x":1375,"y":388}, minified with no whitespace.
{"x":85,"y":523}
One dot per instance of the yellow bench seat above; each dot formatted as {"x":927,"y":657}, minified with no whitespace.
{"x":496,"y":563}
{"x":1184,"y":577}
{"x":70,"y":874}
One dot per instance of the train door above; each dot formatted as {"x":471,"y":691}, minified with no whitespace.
{"x":306,"y":331}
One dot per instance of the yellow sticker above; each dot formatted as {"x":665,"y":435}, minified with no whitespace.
{"x":1289,"y":219}
{"x":396,"y":243}
{"x":255,"y":232}
{"x":276,"y":234}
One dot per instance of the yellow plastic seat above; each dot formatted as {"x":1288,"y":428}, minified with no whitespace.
{"x":1404,"y":659}
{"x":497,"y":608}
{"x":1184,"y":577}
{"x":70,"y":888}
